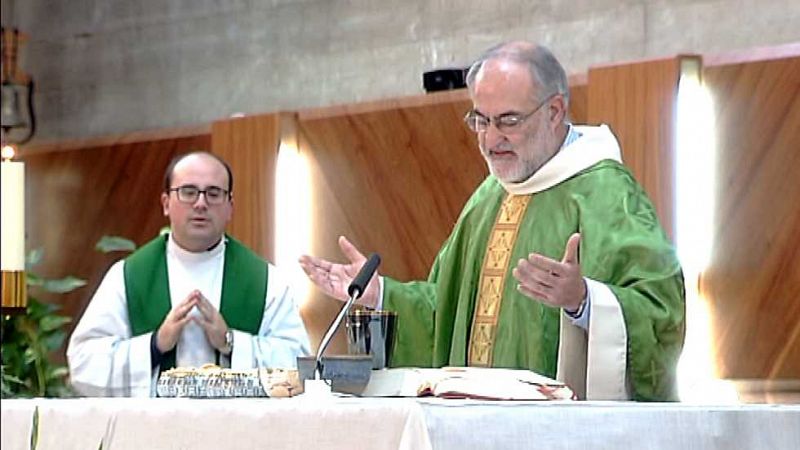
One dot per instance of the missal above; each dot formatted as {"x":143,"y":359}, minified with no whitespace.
{"x":211,"y":381}
{"x":466,"y":382}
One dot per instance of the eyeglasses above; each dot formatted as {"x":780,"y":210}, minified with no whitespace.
{"x":189,"y":194}
{"x":505,"y":123}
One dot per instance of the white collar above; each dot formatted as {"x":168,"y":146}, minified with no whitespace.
{"x":181,"y":253}
{"x":595,"y":144}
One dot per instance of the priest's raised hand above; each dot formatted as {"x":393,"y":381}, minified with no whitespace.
{"x":555,"y":283}
{"x":333,"y":279}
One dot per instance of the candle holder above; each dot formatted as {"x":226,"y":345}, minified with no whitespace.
{"x":15,"y":293}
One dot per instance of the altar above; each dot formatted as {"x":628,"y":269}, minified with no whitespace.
{"x":391,"y":423}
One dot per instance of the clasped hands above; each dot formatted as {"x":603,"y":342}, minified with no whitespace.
{"x":554,"y":283}
{"x":209,"y":319}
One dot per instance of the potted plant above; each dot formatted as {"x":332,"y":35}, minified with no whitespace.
{"x":29,"y":339}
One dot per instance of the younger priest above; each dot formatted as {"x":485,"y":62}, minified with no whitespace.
{"x":192,"y":297}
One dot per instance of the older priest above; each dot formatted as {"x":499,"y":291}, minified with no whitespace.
{"x":557,"y":263}
{"x":194,"y":297}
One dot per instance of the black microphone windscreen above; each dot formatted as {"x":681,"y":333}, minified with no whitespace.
{"x":360,"y":282}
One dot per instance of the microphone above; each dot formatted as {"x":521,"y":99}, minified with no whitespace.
{"x":355,"y":291}
{"x":360,"y":282}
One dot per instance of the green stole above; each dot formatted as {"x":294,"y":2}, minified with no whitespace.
{"x":244,"y":287}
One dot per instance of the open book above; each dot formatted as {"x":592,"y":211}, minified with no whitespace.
{"x":466,"y":382}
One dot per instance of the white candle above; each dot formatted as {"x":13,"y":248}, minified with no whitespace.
{"x":13,"y":216}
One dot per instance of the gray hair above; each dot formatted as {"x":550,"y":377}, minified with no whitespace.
{"x":544,"y":68}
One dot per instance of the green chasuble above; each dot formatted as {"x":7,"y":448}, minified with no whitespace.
{"x":244,"y":287}
{"x":622,"y":245}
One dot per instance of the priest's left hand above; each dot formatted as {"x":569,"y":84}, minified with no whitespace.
{"x":212,"y":322}
{"x":552,"y":282}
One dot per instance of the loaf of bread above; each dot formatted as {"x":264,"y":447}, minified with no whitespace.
{"x":210,"y":381}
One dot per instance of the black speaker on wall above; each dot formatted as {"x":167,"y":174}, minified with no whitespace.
{"x":444,"y":79}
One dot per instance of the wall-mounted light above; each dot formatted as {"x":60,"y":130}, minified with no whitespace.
{"x":293,"y":221}
{"x":695,"y":181}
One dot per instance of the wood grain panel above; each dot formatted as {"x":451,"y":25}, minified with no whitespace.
{"x":578,"y":100}
{"x":753,"y":282}
{"x":132,"y":137}
{"x":250,"y":146}
{"x":393,"y":181}
{"x":637,"y":101}
{"x":75,"y":197}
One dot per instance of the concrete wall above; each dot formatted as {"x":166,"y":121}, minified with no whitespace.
{"x":114,"y":66}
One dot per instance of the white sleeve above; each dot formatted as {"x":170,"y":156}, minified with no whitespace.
{"x":607,"y":351}
{"x":281,"y":338}
{"x":379,"y":303}
{"x":582,"y":320}
{"x":104,"y":360}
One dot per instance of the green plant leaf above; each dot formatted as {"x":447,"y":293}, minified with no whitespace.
{"x":10,"y":383}
{"x":50,"y":323}
{"x":64,"y":285}
{"x":33,"y":258}
{"x":58,"y":388}
{"x":32,"y":279}
{"x":30,"y":356}
{"x":29,"y":340}
{"x":9,"y":386}
{"x":108,"y":244}
{"x":36,"y":310}
{"x":54,"y":340}
{"x":12,"y":379}
{"x":57,"y":372}
{"x":27,"y":347}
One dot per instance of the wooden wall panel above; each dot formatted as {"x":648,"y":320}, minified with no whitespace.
{"x":637,"y":101}
{"x":393,"y":180}
{"x":250,"y":146}
{"x":73,"y":197}
{"x":578,"y":101}
{"x":753,"y":282}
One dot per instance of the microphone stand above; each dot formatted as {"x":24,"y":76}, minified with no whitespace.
{"x":355,"y":290}
{"x":329,"y":334}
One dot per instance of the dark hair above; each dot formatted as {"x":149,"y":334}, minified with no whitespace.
{"x":544,"y":68}
{"x":179,"y":158}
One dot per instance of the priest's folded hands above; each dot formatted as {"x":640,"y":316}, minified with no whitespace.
{"x":212,"y":323}
{"x":208,"y":317}
{"x":170,"y":330}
